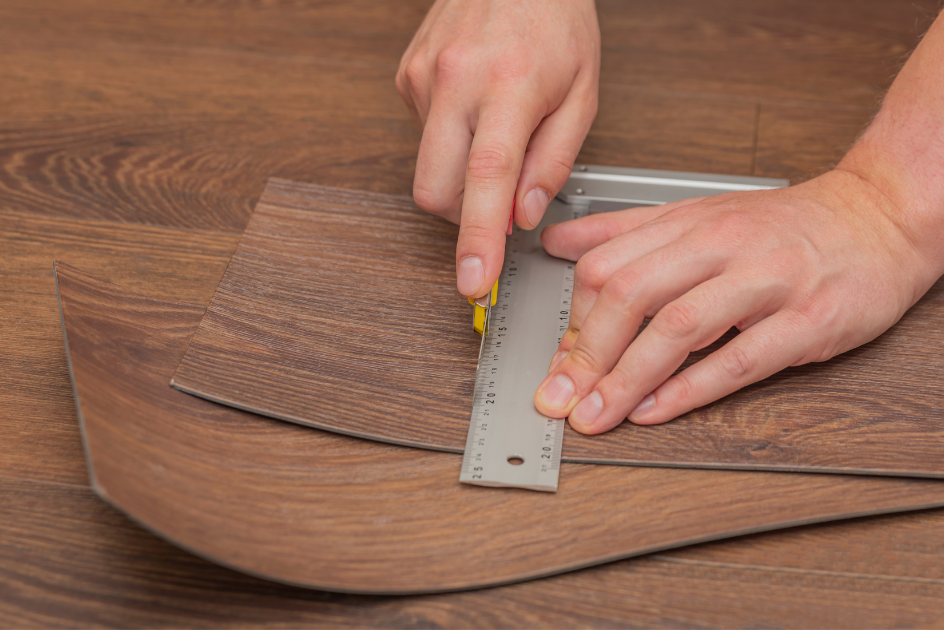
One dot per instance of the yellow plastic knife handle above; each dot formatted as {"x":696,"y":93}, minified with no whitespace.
{"x":478,"y":319}
{"x":478,"y":315}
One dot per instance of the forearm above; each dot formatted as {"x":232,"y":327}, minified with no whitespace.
{"x":902,"y":152}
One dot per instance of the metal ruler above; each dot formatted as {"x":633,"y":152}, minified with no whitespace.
{"x":509,"y":443}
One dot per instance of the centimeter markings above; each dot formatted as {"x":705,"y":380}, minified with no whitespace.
{"x":509,"y":444}
{"x":554,"y":430}
{"x":487,"y":375}
{"x":566,"y":294}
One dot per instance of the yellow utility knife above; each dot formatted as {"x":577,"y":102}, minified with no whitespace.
{"x":481,"y":308}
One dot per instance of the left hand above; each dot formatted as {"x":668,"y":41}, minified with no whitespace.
{"x":805,"y":273}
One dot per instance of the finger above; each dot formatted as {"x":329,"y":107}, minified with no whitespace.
{"x":407,"y":97}
{"x":495,"y":158}
{"x":403,"y":82}
{"x":760,"y":351}
{"x":440,"y":165}
{"x":413,"y":74}
{"x":627,"y":297}
{"x":572,"y":239}
{"x":549,"y":158}
{"x":412,"y":80}
{"x":689,"y":323}
{"x":595,"y":268}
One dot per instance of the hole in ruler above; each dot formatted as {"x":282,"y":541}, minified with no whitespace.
{"x":515,"y":460}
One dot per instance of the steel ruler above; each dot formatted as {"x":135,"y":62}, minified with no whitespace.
{"x":509,"y":443}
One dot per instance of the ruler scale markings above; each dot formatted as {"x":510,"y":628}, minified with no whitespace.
{"x":509,"y":443}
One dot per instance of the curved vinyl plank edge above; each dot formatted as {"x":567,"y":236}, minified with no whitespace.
{"x":314,"y":509}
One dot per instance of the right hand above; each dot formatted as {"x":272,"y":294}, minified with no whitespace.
{"x":505,"y":91}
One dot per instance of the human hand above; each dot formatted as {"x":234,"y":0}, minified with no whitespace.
{"x":505,"y":92}
{"x":805,"y":273}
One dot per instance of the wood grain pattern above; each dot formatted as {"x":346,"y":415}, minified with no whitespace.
{"x":87,"y":141}
{"x":65,"y":555}
{"x":147,"y":142}
{"x":199,"y":170}
{"x":830,"y":51}
{"x":40,"y":434}
{"x":799,"y":141}
{"x":175,"y":119}
{"x":311,"y":508}
{"x":677,"y":131}
{"x":289,"y":334}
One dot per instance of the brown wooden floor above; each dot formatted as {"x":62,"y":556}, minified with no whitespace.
{"x":131,"y":130}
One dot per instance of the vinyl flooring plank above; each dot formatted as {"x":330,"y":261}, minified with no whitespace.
{"x":903,"y":547}
{"x":316,"y":509}
{"x":114,"y":573}
{"x":68,"y":559}
{"x":289,"y":334}
{"x":40,"y":435}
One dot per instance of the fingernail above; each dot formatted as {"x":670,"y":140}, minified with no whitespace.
{"x":469,"y":275}
{"x":587,"y":410}
{"x":557,"y":358}
{"x":558,"y":392}
{"x":535,"y":203}
{"x":643,"y":407}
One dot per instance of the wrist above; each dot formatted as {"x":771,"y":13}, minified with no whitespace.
{"x":907,"y":191}
{"x":902,"y":151}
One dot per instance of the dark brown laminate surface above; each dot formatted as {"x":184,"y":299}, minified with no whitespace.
{"x":66,"y":555}
{"x":95,"y":122}
{"x":316,"y":509}
{"x":291,"y":334}
{"x":173,"y":113}
{"x":40,"y":433}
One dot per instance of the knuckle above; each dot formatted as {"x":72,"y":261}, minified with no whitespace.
{"x":683,"y":387}
{"x":583,"y":360}
{"x":623,"y":286}
{"x":592,"y":271}
{"x":677,"y":320}
{"x":414,"y":75}
{"x":452,"y":63}
{"x":431,"y":200}
{"x":557,"y":170}
{"x":735,"y":362}
{"x":475,"y":235}
{"x":490,"y":163}
{"x":401,"y":82}
{"x":514,"y":67}
{"x":616,"y":382}
{"x":428,"y":201}
{"x":815,"y":312}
